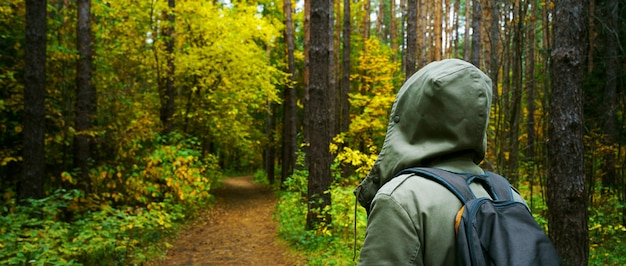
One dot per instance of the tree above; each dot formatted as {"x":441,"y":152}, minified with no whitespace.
{"x":85,"y":92}
{"x":476,"y":33}
{"x":410,"y":58}
{"x":612,"y":67}
{"x":166,"y":80}
{"x":320,"y":117}
{"x":567,"y":199}
{"x":289,"y":98}
{"x":438,"y":28}
{"x":31,"y":185}
{"x":345,"y":78}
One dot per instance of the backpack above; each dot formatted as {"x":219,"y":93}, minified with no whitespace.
{"x":498,"y":231}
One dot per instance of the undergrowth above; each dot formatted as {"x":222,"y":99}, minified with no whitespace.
{"x":133,"y":207}
{"x":332,"y":244}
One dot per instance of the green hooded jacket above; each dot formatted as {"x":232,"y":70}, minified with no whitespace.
{"x":439,"y":119}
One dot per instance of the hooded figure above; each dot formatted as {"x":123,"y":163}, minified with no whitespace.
{"x":439,"y":119}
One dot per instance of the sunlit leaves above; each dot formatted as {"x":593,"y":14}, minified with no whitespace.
{"x":377,"y":79}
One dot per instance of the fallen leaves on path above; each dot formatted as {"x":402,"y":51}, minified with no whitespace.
{"x":237,"y":230}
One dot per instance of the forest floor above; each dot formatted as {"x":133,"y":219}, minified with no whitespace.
{"x":237,"y":230}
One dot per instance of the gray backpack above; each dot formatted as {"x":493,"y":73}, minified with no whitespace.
{"x":501,"y":231}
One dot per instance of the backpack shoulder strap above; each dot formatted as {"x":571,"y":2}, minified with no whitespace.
{"x":499,"y":187}
{"x":457,"y":184}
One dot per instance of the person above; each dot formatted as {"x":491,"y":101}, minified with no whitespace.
{"x":439,"y":119}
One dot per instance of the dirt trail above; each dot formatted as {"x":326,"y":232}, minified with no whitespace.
{"x":237,"y":230}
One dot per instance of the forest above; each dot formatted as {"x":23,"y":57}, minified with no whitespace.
{"x":118,"y":117}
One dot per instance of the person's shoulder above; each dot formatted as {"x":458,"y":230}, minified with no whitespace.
{"x":410,"y":183}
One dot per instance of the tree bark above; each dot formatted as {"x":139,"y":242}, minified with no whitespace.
{"x":530,"y":83}
{"x":366,"y":20}
{"x":269,"y":153}
{"x":466,"y":37}
{"x":438,"y":30}
{"x":411,"y":39}
{"x":289,"y":95}
{"x":85,"y":93}
{"x":345,"y":78}
{"x":393,"y":30}
{"x":33,"y":171}
{"x":612,"y":68}
{"x":567,"y":201}
{"x":321,"y":118}
{"x":476,"y":30}
{"x":166,"y":84}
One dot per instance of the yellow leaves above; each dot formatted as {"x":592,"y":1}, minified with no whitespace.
{"x":9,"y":159}
{"x":67,"y":177}
{"x":551,"y":4}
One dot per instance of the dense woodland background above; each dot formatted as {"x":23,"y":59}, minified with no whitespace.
{"x":117,"y":116}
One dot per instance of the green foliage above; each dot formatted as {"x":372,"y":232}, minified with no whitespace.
{"x":370,"y":105}
{"x":43,"y":232}
{"x":606,"y":236}
{"x":329,"y":244}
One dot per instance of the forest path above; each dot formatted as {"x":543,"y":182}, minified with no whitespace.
{"x":237,"y":230}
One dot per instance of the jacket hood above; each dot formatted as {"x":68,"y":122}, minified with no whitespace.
{"x":441,"y":111}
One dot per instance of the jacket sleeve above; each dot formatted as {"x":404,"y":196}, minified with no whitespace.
{"x":391,"y":237}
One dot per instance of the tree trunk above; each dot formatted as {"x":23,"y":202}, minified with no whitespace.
{"x":166,"y":84}
{"x":34,"y":161}
{"x":612,"y":68}
{"x":438,"y":31}
{"x":476,"y":30}
{"x":366,"y":19}
{"x":289,"y":105}
{"x":516,"y":101}
{"x":270,"y":151}
{"x":380,"y":21}
{"x":393,"y":31}
{"x":307,"y":68}
{"x":567,"y":201}
{"x":530,"y":84}
{"x":466,"y":36}
{"x":321,"y":117}
{"x":85,"y":93}
{"x":455,"y":31}
{"x":424,"y":37}
{"x":411,"y":39}
{"x":494,"y":65}
{"x":345,"y":78}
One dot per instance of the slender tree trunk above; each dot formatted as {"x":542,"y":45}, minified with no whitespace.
{"x":516,"y":104}
{"x":423,"y":32}
{"x":466,"y":37}
{"x":476,"y":30}
{"x":166,"y":85}
{"x":393,"y":31}
{"x":34,"y":161}
{"x":270,"y":151}
{"x":321,"y":117}
{"x":455,"y":45}
{"x":411,"y":39}
{"x":567,"y":199}
{"x":530,"y":83}
{"x":380,"y":21}
{"x":494,"y":32}
{"x":592,"y":35}
{"x":289,"y":105}
{"x":438,"y":30}
{"x":610,"y":105}
{"x":307,"y":71}
{"x":85,"y":93}
{"x":345,"y":78}
{"x":366,"y":20}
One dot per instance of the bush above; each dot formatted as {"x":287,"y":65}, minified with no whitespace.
{"x":328,"y":244}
